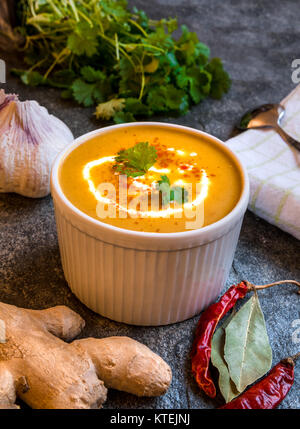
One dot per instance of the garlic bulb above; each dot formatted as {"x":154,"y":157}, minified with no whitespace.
{"x":30,"y":139}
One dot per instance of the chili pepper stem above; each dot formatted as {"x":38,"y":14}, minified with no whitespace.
{"x":296,"y":356}
{"x":251,"y":286}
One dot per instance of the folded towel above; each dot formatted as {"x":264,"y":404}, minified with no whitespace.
{"x":274,"y":169}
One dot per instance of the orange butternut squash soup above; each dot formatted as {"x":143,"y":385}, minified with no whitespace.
{"x":151,"y":179}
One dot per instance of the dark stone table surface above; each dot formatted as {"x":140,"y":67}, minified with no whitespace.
{"x":257,"y":40}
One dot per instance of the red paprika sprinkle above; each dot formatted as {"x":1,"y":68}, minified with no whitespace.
{"x":268,"y":392}
{"x":206,"y":327}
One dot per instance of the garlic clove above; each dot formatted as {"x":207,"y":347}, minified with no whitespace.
{"x":30,"y":139}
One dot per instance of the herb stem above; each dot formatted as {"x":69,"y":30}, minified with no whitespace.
{"x":74,"y":9}
{"x":142,"y":78}
{"x":64,"y":52}
{"x":112,"y":42}
{"x":32,"y":8}
{"x":138,"y":26}
{"x":145,"y":45}
{"x":117,"y":47}
{"x":37,"y":64}
{"x":85,"y":18}
{"x":56,"y":10}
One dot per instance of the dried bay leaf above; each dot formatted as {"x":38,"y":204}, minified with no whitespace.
{"x":226,"y":385}
{"x":247,"y":350}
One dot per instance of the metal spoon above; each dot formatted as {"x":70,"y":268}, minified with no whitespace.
{"x":267,"y":116}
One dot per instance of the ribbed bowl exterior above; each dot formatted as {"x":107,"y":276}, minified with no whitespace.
{"x":143,"y":287}
{"x":145,"y":278}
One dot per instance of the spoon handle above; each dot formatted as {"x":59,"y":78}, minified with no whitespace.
{"x":287,"y":138}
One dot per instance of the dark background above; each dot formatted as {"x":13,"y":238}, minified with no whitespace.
{"x":257,"y":40}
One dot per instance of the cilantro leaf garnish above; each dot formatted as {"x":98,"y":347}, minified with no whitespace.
{"x":179,"y":194}
{"x":171,"y":193}
{"x":136,"y":160}
{"x":164,"y":179}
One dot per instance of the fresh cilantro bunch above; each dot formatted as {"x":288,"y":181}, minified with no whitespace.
{"x":127,"y":65}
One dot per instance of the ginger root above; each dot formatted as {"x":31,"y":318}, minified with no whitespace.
{"x":39,"y":367}
{"x":125,"y":364}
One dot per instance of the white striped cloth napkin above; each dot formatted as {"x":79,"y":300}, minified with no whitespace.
{"x":274,"y":169}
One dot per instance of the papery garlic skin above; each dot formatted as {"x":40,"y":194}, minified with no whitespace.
{"x":30,"y":139}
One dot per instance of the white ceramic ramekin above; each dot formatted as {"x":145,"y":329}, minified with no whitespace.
{"x":144,"y":278}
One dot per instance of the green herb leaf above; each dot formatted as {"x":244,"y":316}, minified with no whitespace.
{"x":108,"y":109}
{"x":123,"y":117}
{"x":83,"y":41}
{"x":174,"y":193}
{"x":159,"y":38}
{"x":179,"y":194}
{"x":83,"y":92}
{"x":136,"y":107}
{"x":92,"y":75}
{"x":62,"y":78}
{"x":200,"y":82}
{"x":247,"y":349}
{"x":192,"y":51}
{"x":136,"y":160}
{"x":226,"y":385}
{"x":164,"y":179}
{"x":175,"y":99}
{"x":95,"y":90}
{"x":116,"y":9}
{"x":66,"y":94}
{"x":220,"y":78}
{"x":156,"y":99}
{"x":164,"y":98}
{"x":33,"y":78}
{"x":164,"y":189}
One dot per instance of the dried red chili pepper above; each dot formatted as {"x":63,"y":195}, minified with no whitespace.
{"x":207,"y":324}
{"x":206,"y":327}
{"x":268,"y":392}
